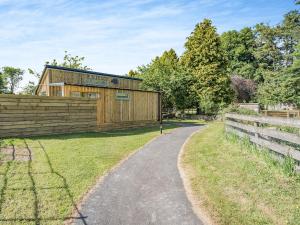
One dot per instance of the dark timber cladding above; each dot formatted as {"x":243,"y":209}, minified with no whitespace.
{"x":71,"y":100}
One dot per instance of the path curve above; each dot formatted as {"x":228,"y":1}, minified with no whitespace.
{"x":146,"y":189}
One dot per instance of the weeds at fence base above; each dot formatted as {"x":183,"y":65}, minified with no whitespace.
{"x":285,"y":163}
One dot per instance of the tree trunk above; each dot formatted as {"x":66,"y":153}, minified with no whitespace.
{"x":198,"y":110}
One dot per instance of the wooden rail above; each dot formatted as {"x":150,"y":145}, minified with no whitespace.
{"x":259,"y":130}
{"x":281,"y":113}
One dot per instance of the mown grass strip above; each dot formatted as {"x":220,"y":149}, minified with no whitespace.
{"x":238,"y":184}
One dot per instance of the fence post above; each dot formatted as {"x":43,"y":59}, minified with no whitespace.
{"x":256,"y":124}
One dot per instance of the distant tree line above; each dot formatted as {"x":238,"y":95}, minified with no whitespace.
{"x":256,"y":64}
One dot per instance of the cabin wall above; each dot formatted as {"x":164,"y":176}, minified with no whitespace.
{"x":139,"y":106}
{"x":77,"y":78}
{"x":44,"y":85}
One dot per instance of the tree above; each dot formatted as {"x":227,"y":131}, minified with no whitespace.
{"x":2,"y":84}
{"x":204,"y":58}
{"x":34,"y":73}
{"x":268,"y":53}
{"x":289,"y":35}
{"x":239,"y":47}
{"x":133,"y":73}
{"x":282,"y":83}
{"x":244,"y":89}
{"x":12,"y":77}
{"x":166,"y":75}
{"x":74,"y":62}
{"x":29,"y":89}
{"x":283,"y":86}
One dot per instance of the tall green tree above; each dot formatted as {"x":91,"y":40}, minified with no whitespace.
{"x":289,"y":31}
{"x":204,"y":58}
{"x":239,"y":48}
{"x":166,"y":75}
{"x":283,"y":86}
{"x":268,"y":53}
{"x":281,"y":82}
{"x":12,"y":77}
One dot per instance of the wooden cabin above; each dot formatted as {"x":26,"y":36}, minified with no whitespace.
{"x":67,"y":82}
{"x":120,"y":100}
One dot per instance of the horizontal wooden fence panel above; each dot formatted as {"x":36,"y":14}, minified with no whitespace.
{"x":267,"y":120}
{"x":281,"y":113}
{"x":278,"y":148}
{"x":293,"y":138}
{"x":37,"y":115}
{"x":281,"y":142}
{"x":41,"y":115}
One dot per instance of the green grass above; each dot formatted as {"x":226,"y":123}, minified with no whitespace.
{"x":184,"y":121}
{"x":63,"y":168}
{"x":238,"y":184}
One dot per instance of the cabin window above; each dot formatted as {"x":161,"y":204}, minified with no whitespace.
{"x":90,"y":95}
{"x":75,"y":94}
{"x":122,"y":96}
{"x":43,"y":93}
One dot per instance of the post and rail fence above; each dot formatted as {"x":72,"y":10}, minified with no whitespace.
{"x":281,"y":113}
{"x":262,"y":131}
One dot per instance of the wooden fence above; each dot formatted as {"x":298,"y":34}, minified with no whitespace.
{"x":281,"y":113}
{"x":38,"y":115}
{"x":261,"y":130}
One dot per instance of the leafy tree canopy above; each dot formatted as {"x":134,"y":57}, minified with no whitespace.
{"x":283,"y":86}
{"x":2,"y":84}
{"x":12,"y":78}
{"x":166,"y":75}
{"x":205,"y":59}
{"x":74,"y":62}
{"x":239,"y":48}
{"x":29,"y":89}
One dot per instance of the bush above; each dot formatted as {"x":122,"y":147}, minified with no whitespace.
{"x":245,"y":89}
{"x":234,"y":108}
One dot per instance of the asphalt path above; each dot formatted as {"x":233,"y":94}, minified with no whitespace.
{"x":145,"y":189}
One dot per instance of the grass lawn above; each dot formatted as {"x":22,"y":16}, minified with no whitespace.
{"x":44,"y":190}
{"x":238,"y":186}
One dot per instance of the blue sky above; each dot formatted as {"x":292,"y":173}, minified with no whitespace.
{"x":117,"y":35}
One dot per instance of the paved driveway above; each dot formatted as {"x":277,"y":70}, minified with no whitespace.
{"x":145,"y":189}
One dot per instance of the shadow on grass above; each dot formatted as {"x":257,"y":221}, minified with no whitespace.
{"x":35,"y":218}
{"x":34,"y":189}
{"x":105,"y":134}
